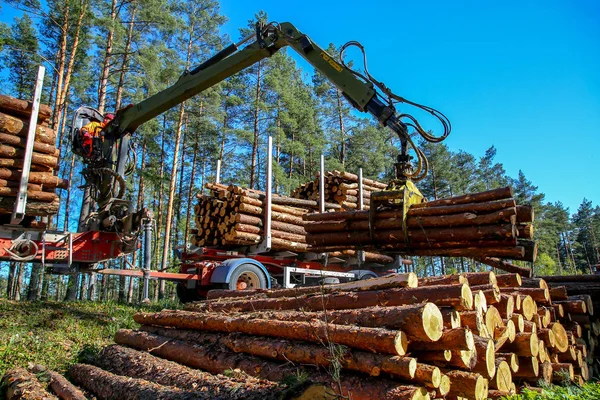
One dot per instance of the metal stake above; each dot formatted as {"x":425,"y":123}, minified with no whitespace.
{"x":147,"y":257}
{"x":322,"y":185}
{"x":218,"y":178}
{"x":21,"y":201}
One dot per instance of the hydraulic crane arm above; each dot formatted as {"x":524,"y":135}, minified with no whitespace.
{"x":359,"y":90}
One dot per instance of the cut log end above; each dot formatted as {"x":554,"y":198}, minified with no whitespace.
{"x":433,"y":323}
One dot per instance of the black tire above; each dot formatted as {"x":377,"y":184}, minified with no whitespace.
{"x":367,"y":276}
{"x":187,"y":295}
{"x":247,"y":269}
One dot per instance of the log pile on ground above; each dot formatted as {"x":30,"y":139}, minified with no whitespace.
{"x":14,"y":124}
{"x":484,"y":225}
{"x":340,"y":188}
{"x":474,"y":336}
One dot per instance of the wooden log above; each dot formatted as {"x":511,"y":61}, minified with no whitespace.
{"x":531,"y":249}
{"x":560,"y":337}
{"x":47,"y":179}
{"x":454,"y":279}
{"x":489,"y":195}
{"x":474,"y":252}
{"x":17,"y":163}
{"x":558,"y":293}
{"x":45,"y":160}
{"x":456,"y":339}
{"x":467,"y":384}
{"x":545,"y":372}
{"x":509,"y":280}
{"x":216,"y":360}
{"x":141,"y":365}
{"x":528,"y":307}
{"x":22,"y":142}
{"x":433,"y":357}
{"x":484,"y":232}
{"x":474,"y":320}
{"x":562,"y":372}
{"x":450,"y":317}
{"x":503,"y":378}
{"x":33,"y":208}
{"x":420,"y":322}
{"x":506,"y":306}
{"x":301,"y":353}
{"x":427,"y":375}
{"x":587,"y":299}
{"x":510,"y":358}
{"x":14,"y":106}
{"x":458,"y":296}
{"x":507,"y":215}
{"x":525,"y":345}
{"x":525,"y":213}
{"x":385,"y":282}
{"x":525,"y":231}
{"x":484,"y":354}
{"x":528,"y":368}
{"x":479,"y":301}
{"x":20,"y":126}
{"x":43,"y":197}
{"x":573,"y":306}
{"x":505,"y":266}
{"x":105,"y":385}
{"x":369,"y":339}
{"x":481,"y":278}
{"x":58,"y":383}
{"x":12,"y":184}
{"x":493,"y":320}
{"x":21,"y":384}
{"x":519,"y":323}
{"x":352,"y":177}
{"x":491,"y":292}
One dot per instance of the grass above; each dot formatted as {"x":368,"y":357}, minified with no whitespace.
{"x":58,"y":334}
{"x":591,"y":390}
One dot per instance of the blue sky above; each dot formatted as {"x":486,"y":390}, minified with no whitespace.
{"x":522,"y":76}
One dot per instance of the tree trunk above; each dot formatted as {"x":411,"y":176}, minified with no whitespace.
{"x":190,"y":196}
{"x":19,"y":283}
{"x":126,"y":53}
{"x":103,"y":84}
{"x":255,"y":130}
{"x":34,"y":282}
{"x":72,"y":286}
{"x":341,"y":126}
{"x":61,"y":101}
{"x":62,"y":59}
{"x":10,"y":282}
{"x":59,"y":384}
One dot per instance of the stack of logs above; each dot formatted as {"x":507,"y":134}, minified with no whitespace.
{"x":232,"y":216}
{"x":14,"y":124}
{"x":485,"y":224}
{"x":340,"y":188}
{"x":471,"y":336}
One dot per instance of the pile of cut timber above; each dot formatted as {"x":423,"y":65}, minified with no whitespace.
{"x":485,"y":224}
{"x":232,"y":216}
{"x":14,"y":124}
{"x":473,"y":336}
{"x":340,"y":188}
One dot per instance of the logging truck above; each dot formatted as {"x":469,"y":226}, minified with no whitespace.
{"x":109,"y":227}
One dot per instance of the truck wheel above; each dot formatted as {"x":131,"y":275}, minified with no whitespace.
{"x":247,"y":277}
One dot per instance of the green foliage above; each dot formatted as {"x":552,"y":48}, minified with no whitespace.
{"x":58,"y":334}
{"x":22,"y":57}
{"x":590,"y":390}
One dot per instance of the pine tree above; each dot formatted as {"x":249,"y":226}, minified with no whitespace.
{"x":22,"y":57}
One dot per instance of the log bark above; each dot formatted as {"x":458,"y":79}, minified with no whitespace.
{"x":505,"y":266}
{"x":45,"y":160}
{"x":108,"y":386}
{"x":141,"y":365}
{"x":525,"y":345}
{"x":369,"y":339}
{"x":17,"y":163}
{"x":59,"y":384}
{"x":385,"y":282}
{"x":539,"y":295}
{"x":455,"y":339}
{"x":489,"y":195}
{"x":510,"y":358}
{"x":13,"y":106}
{"x":43,"y":197}
{"x":427,"y":375}
{"x":44,"y":178}
{"x":525,"y":213}
{"x":458,"y":296}
{"x":509,"y":280}
{"x":484,"y":354}
{"x":21,"y":384}
{"x":20,"y":126}
{"x":454,"y":279}
{"x":507,"y":215}
{"x":528,"y":368}
{"x":467,"y":384}
{"x":216,"y":360}
{"x":33,"y":208}
{"x":562,"y":372}
{"x":22,"y":142}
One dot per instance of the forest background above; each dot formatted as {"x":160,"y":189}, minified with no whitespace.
{"x":111,"y":53}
